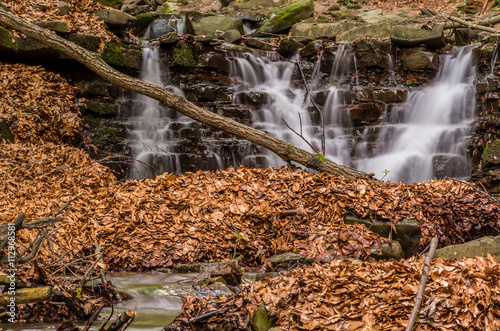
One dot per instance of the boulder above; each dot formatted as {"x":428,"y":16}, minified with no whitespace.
{"x":256,"y":4}
{"x":209,"y":25}
{"x":286,"y":260}
{"x":8,"y":41}
{"x":417,"y":59}
{"x":142,"y":22}
{"x":404,"y":36}
{"x":312,"y":48}
{"x":131,"y":5}
{"x":115,"y":18}
{"x":263,"y":320}
{"x":376,"y":30}
{"x":285,"y":17}
{"x":453,"y":166}
{"x":161,"y":27}
{"x":289,"y":46}
{"x":232,"y":37}
{"x":63,"y":8}
{"x":86,"y":41}
{"x":322,"y":30}
{"x":407,"y":231}
{"x":478,"y":247}
{"x":388,"y":251}
{"x":117,"y":55}
{"x":116,"y":4}
{"x":260,"y":44}
{"x":374,"y":53}
{"x":57,"y":26}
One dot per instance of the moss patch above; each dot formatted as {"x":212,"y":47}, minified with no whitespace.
{"x":117,"y":4}
{"x":113,"y":54}
{"x":183,"y":55}
{"x":491,"y":153}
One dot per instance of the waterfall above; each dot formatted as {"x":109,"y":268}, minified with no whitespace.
{"x":425,"y":138}
{"x":150,"y":136}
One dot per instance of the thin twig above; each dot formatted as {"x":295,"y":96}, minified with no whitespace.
{"x":475,"y":188}
{"x":423,"y":282}
{"x":301,"y":136}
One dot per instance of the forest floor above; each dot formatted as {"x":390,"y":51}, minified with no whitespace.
{"x":246,"y":213}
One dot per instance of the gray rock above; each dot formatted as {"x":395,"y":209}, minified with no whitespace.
{"x":161,"y":27}
{"x":209,"y":25}
{"x":289,"y":46}
{"x":376,"y":30}
{"x":63,"y":8}
{"x":285,"y":17}
{"x":232,"y":37}
{"x":407,"y":231}
{"x":255,"y":4}
{"x":286,"y":260}
{"x":312,"y":48}
{"x":115,"y":18}
{"x":452,"y":166}
{"x":404,"y":36}
{"x":322,"y":30}
{"x":131,"y":5}
{"x":478,"y":247}
{"x":388,"y":251}
{"x":260,"y":44}
{"x":418,"y":59}
{"x":373,"y":53}
{"x":57,"y":26}
{"x":372,"y":16}
{"x":86,"y":41}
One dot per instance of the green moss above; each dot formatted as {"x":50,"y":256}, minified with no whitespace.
{"x":101,"y":109}
{"x":5,"y":132}
{"x":143,"y":20}
{"x":491,"y":153}
{"x":113,"y":54}
{"x":290,"y":148}
{"x":320,"y":158}
{"x":6,"y":38}
{"x":102,"y":134}
{"x":85,"y":40}
{"x":20,"y":44}
{"x":183,"y":55}
{"x":164,"y":9}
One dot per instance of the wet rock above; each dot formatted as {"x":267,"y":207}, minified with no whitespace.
{"x":289,"y":46}
{"x":312,"y":48}
{"x":63,"y":8}
{"x":322,"y":30}
{"x":377,"y":30}
{"x":115,"y":54}
{"x":86,"y":41}
{"x":263,"y":320}
{"x":403,"y":36}
{"x":214,"y":60}
{"x":287,"y":260}
{"x":24,"y":46}
{"x":162,"y":26}
{"x":266,"y":275}
{"x":286,"y":16}
{"x":419,"y":59}
{"x":478,"y":247}
{"x":115,"y":18}
{"x":491,"y":154}
{"x":209,"y":25}
{"x":168,"y":8}
{"x":169,"y":39}
{"x":390,"y":95}
{"x":142,"y":22}
{"x":374,"y":53}
{"x":199,"y":267}
{"x":232,"y":37}
{"x":57,"y":26}
{"x":183,"y":55}
{"x":388,"y":251}
{"x":361,"y":114}
{"x":407,"y":231}
{"x":450,"y":166}
{"x":230,"y":273}
{"x":135,"y":7}
{"x":100,"y":109}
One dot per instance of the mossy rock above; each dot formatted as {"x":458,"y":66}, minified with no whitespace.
{"x":183,"y":55}
{"x":377,"y":30}
{"x":143,"y":21}
{"x":101,"y":109}
{"x":289,"y":46}
{"x":86,"y":41}
{"x":263,"y":320}
{"x":491,"y":154}
{"x":285,"y":17}
{"x":322,"y":30}
{"x":479,"y":247}
{"x":113,"y":54}
{"x":209,"y":25}
{"x":8,"y":40}
{"x":117,"y":4}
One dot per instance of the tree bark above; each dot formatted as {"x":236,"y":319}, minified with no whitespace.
{"x":94,"y":62}
{"x":27,"y":295}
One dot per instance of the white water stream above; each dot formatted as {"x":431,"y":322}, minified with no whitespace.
{"x":414,"y":141}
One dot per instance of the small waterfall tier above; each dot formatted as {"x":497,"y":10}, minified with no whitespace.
{"x":420,"y":139}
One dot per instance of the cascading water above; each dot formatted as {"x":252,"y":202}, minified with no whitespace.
{"x":151,"y":139}
{"x":422,"y":139}
{"x":425,"y":138}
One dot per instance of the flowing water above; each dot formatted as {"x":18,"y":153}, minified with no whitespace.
{"x":422,"y":139}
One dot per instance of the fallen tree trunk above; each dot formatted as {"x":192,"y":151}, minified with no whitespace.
{"x":93,"y":61}
{"x":27,"y":295}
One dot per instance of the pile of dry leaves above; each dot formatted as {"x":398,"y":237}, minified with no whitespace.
{"x":80,"y":18}
{"x":350,"y":295}
{"x":211,"y":216}
{"x":38,"y":105}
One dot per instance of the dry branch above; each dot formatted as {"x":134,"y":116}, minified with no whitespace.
{"x":423,"y":282}
{"x":472,"y":25}
{"x":95,"y":63}
{"x":123,"y":321}
{"x":28,"y":295}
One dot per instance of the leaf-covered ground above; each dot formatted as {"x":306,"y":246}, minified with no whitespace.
{"x":198,"y":216}
{"x":346,"y":295}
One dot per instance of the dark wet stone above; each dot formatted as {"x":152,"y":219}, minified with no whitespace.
{"x":418,"y":59}
{"x":361,"y":114}
{"x":407,"y":231}
{"x":214,"y":60}
{"x":450,"y":166}
{"x":312,"y":48}
{"x":85,"y":40}
{"x":374,"y":53}
{"x":289,"y":46}
{"x":260,"y":44}
{"x":390,"y":95}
